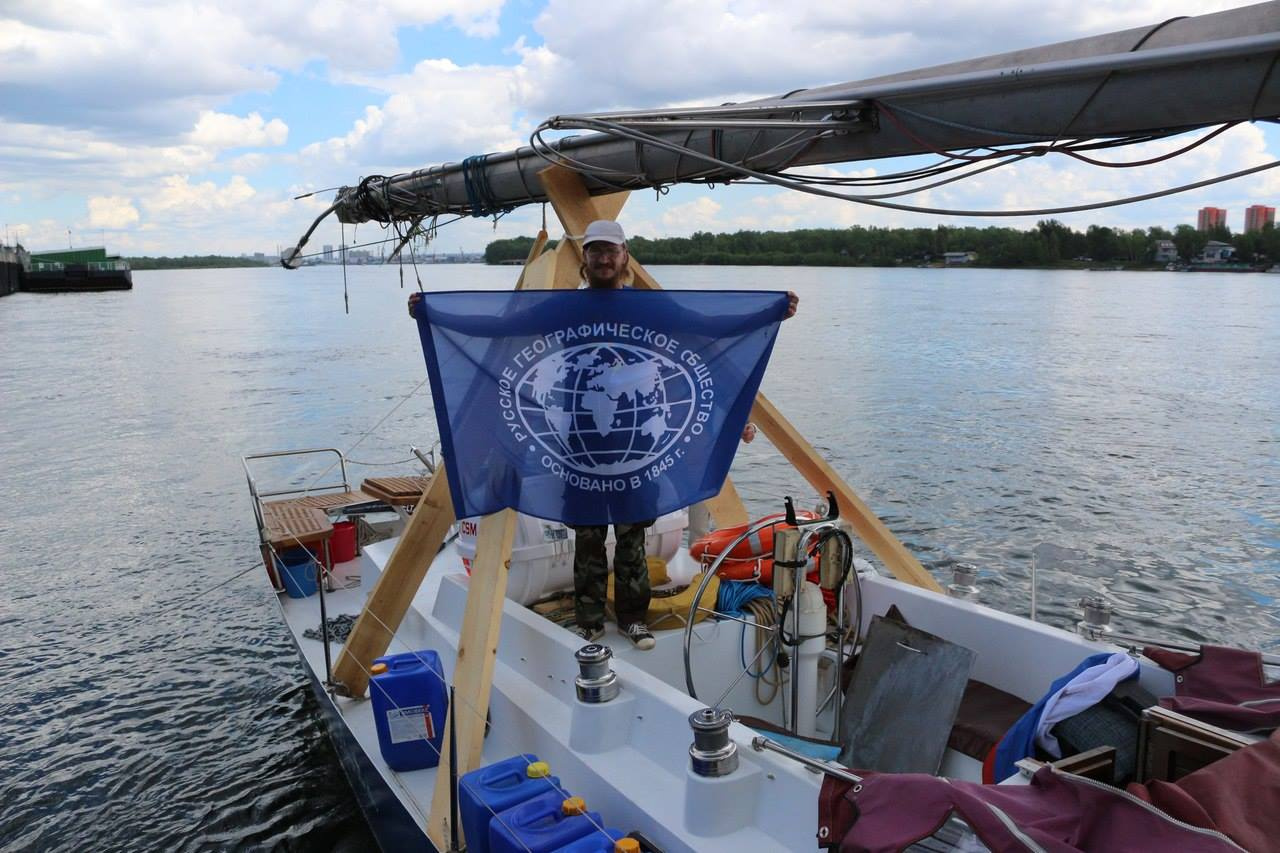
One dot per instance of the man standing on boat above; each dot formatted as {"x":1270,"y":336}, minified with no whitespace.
{"x":606,"y":266}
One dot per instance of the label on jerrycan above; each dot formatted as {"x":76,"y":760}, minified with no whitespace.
{"x":410,"y":724}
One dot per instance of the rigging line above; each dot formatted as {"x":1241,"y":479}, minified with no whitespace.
{"x":408,"y":793}
{"x":784,"y":182}
{"x":218,"y":585}
{"x":316,"y":192}
{"x":1106,"y":78}
{"x":978,"y":171}
{"x":1161,"y":158}
{"x":302,"y":241}
{"x":468,"y":706}
{"x":906,"y":131}
{"x":913,"y":190}
{"x":395,"y":773}
{"x":1257,"y":96}
{"x":307,"y":489}
{"x":947,"y":165}
{"x":346,"y":301}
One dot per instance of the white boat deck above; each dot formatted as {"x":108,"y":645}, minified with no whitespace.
{"x":629,"y":758}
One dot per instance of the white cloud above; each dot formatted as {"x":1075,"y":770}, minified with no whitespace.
{"x":115,"y":66}
{"x":434,"y":112}
{"x":221,"y":130}
{"x":645,"y":53}
{"x":143,"y":103}
{"x":178,"y":197}
{"x":113,"y":211}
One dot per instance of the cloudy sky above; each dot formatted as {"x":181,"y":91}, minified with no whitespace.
{"x":188,"y":127}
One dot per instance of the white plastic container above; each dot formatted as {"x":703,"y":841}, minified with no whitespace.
{"x":542,"y":554}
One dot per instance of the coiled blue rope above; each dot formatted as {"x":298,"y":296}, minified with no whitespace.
{"x":734,"y":595}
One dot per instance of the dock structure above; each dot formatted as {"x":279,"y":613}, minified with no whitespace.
{"x":12,"y":262}
{"x":75,"y":270}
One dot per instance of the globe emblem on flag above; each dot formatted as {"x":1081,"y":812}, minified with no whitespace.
{"x":606,"y":408}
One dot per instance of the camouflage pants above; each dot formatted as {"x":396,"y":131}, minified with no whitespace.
{"x":591,"y":574}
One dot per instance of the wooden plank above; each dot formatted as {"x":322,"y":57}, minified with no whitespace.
{"x":568,"y":271}
{"x":539,"y":274}
{"x":396,"y":587}
{"x":575,"y":207}
{"x":473,"y":670}
{"x":291,"y":525}
{"x":535,"y":252}
{"x":727,"y":508}
{"x":397,"y":491}
{"x":821,"y":476}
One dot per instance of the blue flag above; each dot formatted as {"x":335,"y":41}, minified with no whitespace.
{"x":593,"y":406}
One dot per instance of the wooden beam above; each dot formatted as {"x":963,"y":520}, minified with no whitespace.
{"x":821,"y":476}
{"x":535,"y":252}
{"x":567,"y":275}
{"x":396,"y":587}
{"x":574,"y":205}
{"x":539,"y":274}
{"x":473,"y":670}
{"x":727,"y":508}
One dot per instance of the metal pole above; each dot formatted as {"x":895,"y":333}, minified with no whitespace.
{"x":454,"y":840}
{"x":1035,"y":561}
{"x":835,"y":728}
{"x":796,"y":642}
{"x":760,"y":744}
{"x":324,"y":617}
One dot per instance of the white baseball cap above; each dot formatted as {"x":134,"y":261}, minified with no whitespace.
{"x":604,"y":231}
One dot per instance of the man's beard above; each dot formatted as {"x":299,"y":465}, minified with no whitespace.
{"x":612,"y":281}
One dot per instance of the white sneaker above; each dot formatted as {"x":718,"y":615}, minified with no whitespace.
{"x":638,"y":634}
{"x":588,"y":633}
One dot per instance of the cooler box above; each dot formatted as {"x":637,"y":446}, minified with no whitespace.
{"x":542,"y":553}
{"x":297,"y":571}
{"x":599,"y":842}
{"x":484,"y":792}
{"x":540,"y":825}
{"x":410,"y":701}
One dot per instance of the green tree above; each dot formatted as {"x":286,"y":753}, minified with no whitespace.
{"x":1189,"y":241}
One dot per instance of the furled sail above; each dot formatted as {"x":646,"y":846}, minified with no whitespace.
{"x":1123,"y":87}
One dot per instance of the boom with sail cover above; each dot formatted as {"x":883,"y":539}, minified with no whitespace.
{"x":1129,"y":86}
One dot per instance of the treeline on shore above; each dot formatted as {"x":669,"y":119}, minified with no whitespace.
{"x":190,"y":262}
{"x":1049,"y":244}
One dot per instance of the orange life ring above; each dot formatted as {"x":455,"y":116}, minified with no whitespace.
{"x":750,"y":559}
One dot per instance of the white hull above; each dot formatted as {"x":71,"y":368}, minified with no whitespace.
{"x":629,"y":758}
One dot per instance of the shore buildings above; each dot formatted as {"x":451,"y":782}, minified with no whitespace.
{"x":1257,"y":215}
{"x":1211,"y":217}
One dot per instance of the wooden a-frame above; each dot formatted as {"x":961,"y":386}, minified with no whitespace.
{"x":431,"y":519}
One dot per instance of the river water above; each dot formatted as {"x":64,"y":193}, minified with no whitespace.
{"x":1118,"y":431}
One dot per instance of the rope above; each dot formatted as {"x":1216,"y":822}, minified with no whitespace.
{"x":612,"y":128}
{"x":732,"y":597}
{"x":346,"y":301}
{"x":480,"y":197}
